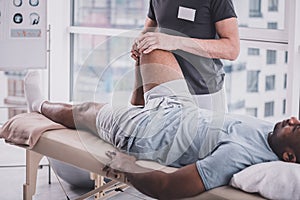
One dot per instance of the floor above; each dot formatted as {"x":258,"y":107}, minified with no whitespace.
{"x":12,"y":177}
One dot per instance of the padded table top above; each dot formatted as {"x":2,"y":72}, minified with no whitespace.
{"x":87,"y":151}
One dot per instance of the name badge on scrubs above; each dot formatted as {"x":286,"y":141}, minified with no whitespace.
{"x":186,"y":13}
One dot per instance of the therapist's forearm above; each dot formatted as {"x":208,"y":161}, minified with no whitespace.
{"x":213,"y":48}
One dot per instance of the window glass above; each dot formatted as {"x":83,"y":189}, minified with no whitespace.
{"x":12,"y":100}
{"x":270,"y":82}
{"x":252,"y":81}
{"x":285,"y":81}
{"x":272,"y":25}
{"x":250,"y":87}
{"x":256,"y":13}
{"x":284,"y":106}
{"x":113,"y":13}
{"x":255,"y":8}
{"x":286,"y":57}
{"x":269,"y":109}
{"x":103,"y":70}
{"x":273,"y":5}
{"x":253,"y":51}
{"x":271,"y":57}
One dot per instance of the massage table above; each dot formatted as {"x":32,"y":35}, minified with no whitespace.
{"x":87,"y":151}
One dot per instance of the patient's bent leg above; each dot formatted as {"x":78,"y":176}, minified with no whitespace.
{"x":81,"y":116}
{"x":159,"y":67}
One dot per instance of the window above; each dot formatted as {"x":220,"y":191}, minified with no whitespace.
{"x":264,"y":83}
{"x":251,"y":112}
{"x":284,"y":81}
{"x":113,"y":13}
{"x":271,"y":57}
{"x":252,"y":81}
{"x":253,"y":51}
{"x":284,"y":106}
{"x":101,"y":65}
{"x":270,"y":82}
{"x":272,"y":25}
{"x":255,"y":8}
{"x":273,"y":5}
{"x":286,"y":57}
{"x":256,"y":15}
{"x":269,"y":109}
{"x":12,"y":94}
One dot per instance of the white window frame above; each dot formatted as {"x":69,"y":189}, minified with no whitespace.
{"x":59,"y":62}
{"x":293,"y":85}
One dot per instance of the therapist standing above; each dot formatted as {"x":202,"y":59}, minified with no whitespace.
{"x":199,"y":33}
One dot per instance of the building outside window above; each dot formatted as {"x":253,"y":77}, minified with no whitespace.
{"x":270,"y":83}
{"x":273,"y":5}
{"x":255,"y":8}
{"x":269,"y":109}
{"x":271,"y":57}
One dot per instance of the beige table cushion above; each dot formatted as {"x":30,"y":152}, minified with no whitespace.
{"x":87,"y":151}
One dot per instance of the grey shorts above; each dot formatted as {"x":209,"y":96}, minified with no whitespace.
{"x":118,"y":125}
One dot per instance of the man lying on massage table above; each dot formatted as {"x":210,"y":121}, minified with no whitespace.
{"x":170,"y":129}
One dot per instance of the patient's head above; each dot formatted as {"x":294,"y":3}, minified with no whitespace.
{"x":285,"y":140}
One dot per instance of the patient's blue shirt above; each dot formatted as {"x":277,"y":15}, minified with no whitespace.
{"x":219,"y":144}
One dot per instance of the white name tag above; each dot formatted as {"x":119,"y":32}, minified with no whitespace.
{"x":186,"y":13}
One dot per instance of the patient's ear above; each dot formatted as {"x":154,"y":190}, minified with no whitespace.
{"x":289,"y":156}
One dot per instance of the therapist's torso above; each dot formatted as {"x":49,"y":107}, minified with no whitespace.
{"x":196,"y":19}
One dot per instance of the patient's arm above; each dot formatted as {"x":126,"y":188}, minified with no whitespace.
{"x":185,"y":182}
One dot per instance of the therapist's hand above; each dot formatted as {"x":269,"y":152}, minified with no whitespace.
{"x":155,"y":40}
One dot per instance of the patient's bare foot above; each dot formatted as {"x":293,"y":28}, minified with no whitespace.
{"x":33,"y":91}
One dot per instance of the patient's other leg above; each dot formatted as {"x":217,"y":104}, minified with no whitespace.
{"x":82,"y":116}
